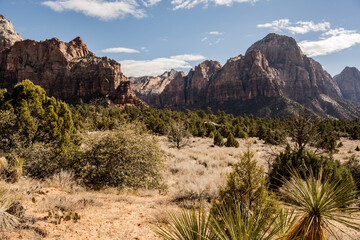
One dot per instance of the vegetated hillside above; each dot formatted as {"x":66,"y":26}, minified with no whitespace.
{"x":271,"y":79}
{"x":349,"y":83}
{"x":67,"y":71}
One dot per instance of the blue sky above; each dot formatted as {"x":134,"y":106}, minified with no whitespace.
{"x":150,"y":36}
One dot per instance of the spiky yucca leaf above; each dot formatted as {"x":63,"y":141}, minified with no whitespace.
{"x":186,"y":225}
{"x":240,"y":223}
{"x":286,"y":218}
{"x":320,"y":204}
{"x":6,"y":219}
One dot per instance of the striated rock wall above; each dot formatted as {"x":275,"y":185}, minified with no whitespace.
{"x":349,"y":83}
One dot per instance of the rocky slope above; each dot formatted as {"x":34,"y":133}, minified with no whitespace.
{"x":152,"y":85}
{"x":67,"y":71}
{"x":349,"y":83}
{"x":274,"y":77}
{"x":8,"y":36}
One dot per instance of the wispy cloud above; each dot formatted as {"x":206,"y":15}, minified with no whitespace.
{"x":149,"y":3}
{"x":158,"y":66}
{"x":215,"y":33}
{"x":120,"y":50}
{"x":104,"y":10}
{"x":187,"y":4}
{"x":332,"y":41}
{"x":188,"y":57}
{"x":212,"y":38}
{"x":300,"y":27}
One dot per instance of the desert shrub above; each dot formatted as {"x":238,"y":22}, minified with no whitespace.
{"x":357,"y":148}
{"x":355,"y":133}
{"x":42,"y":160}
{"x":178,"y":135}
{"x":274,"y":137}
{"x":231,"y":141}
{"x":124,"y":159}
{"x":218,"y":140}
{"x":328,"y":142}
{"x":304,"y":161}
{"x":354,"y":165}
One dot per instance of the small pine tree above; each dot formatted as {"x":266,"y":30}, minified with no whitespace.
{"x":357,"y":148}
{"x":231,"y":141}
{"x":218,"y":140}
{"x":178,"y":135}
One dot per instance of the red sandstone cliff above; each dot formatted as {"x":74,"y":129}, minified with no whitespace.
{"x":67,"y":71}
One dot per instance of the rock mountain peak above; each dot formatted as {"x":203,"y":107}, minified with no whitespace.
{"x":8,"y":35}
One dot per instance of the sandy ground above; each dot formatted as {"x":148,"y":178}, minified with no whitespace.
{"x":199,"y":168}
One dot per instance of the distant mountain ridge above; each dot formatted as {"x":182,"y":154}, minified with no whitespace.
{"x":273,"y":73}
{"x":67,"y":71}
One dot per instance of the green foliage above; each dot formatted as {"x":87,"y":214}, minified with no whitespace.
{"x":31,"y":116}
{"x":231,"y":141}
{"x":355,"y":132}
{"x":354,"y":165}
{"x":357,"y":148}
{"x":218,"y":140}
{"x":305,"y":161}
{"x":274,"y":137}
{"x":125,"y":159}
{"x":246,"y":183}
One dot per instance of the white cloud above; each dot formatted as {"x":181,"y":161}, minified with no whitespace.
{"x":204,"y":39}
{"x":187,"y":4}
{"x":104,"y":10}
{"x":188,"y":57}
{"x":120,"y":50}
{"x":300,"y":27}
{"x":215,"y":33}
{"x":149,"y":3}
{"x":332,"y":41}
{"x":157,"y":66}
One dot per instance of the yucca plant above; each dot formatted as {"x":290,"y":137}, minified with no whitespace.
{"x":285,"y":220}
{"x":186,"y":225}
{"x":6,"y":219}
{"x":240,"y":223}
{"x":321,"y":205}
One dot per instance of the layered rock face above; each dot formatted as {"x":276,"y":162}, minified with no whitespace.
{"x":8,"y":36}
{"x":349,"y":83}
{"x":67,"y":71}
{"x":272,"y":68}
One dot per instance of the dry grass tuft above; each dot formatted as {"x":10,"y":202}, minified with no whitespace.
{"x":64,"y":180}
